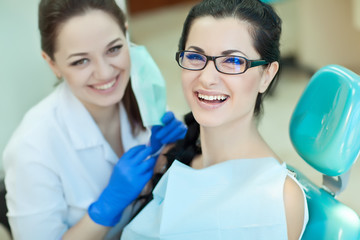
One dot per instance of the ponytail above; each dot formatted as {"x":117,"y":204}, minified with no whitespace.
{"x":185,"y":150}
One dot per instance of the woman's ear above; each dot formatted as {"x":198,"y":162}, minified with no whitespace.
{"x":268,"y":76}
{"x":52,"y":64}
{"x":126,"y":25}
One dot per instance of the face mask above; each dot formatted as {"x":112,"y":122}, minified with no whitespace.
{"x":148,"y":85}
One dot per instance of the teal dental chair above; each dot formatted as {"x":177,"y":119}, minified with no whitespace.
{"x":325,"y":132}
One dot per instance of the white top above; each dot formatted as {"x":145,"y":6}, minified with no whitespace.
{"x":236,"y":199}
{"x":56,"y":164}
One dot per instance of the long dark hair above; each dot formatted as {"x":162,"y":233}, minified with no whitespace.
{"x":54,"y":13}
{"x":265,"y":29}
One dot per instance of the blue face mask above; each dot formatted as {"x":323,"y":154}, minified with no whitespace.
{"x":148,"y":85}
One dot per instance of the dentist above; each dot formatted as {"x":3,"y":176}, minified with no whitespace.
{"x":78,"y":160}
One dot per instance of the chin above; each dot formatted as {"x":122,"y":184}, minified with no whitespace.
{"x":205,"y":120}
{"x":109,"y":101}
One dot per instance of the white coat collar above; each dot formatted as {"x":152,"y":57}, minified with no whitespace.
{"x":81,"y":128}
{"x":84,"y":132}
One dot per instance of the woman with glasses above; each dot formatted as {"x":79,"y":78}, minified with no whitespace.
{"x":225,"y":182}
{"x":80,"y":158}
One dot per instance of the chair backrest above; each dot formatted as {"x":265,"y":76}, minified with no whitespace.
{"x":325,"y":131}
{"x":325,"y":125}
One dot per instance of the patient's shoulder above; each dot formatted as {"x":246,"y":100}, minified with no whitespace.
{"x":294,"y":208}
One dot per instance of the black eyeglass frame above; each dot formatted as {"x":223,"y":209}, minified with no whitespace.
{"x":249,"y":63}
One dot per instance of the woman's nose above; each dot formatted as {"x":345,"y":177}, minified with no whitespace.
{"x":103,"y":70}
{"x":209,"y":75}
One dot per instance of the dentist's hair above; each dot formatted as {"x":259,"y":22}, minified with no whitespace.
{"x":265,"y":29}
{"x":54,"y":13}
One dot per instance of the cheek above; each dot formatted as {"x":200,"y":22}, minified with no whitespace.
{"x":251,"y":86}
{"x":124,"y":61}
{"x":253,"y":81}
{"x":76,"y":77}
{"x":187,"y":83}
{"x":245,"y":89}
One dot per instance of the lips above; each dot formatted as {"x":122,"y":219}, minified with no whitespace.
{"x":212,"y":98}
{"x":105,"y":86}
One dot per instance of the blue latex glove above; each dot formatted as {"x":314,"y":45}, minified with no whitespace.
{"x":172,"y":131}
{"x":129,"y":177}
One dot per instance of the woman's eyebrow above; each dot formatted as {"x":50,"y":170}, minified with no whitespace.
{"x":113,"y":41}
{"x":81,"y":54}
{"x":198,"y":49}
{"x":226,"y":52}
{"x":231,"y":51}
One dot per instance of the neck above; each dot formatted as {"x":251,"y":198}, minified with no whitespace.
{"x":104,"y":116}
{"x":108,"y":121}
{"x":232,"y":141}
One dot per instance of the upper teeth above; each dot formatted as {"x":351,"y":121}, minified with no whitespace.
{"x":211,"y":98}
{"x":105,"y":86}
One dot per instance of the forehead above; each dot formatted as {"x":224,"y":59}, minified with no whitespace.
{"x":219,"y":34}
{"x":93,"y":27}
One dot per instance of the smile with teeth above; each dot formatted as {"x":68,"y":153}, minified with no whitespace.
{"x":105,"y":86}
{"x":212,"y":98}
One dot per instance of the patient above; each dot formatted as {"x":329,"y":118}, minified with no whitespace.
{"x":235,"y":186}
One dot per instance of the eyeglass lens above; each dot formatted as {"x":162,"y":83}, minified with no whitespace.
{"x":225,"y":64}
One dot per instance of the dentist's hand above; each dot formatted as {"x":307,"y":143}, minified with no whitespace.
{"x":129,"y":177}
{"x":172,"y":131}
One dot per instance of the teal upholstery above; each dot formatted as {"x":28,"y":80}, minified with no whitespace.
{"x":325,"y":131}
{"x":324,"y":123}
{"x":329,"y":219}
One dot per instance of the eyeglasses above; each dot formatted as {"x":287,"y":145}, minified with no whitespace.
{"x":230,"y":64}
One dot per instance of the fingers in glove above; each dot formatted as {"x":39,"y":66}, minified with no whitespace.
{"x":178,"y":133}
{"x":146,"y":177}
{"x":132,"y":152}
{"x":168,"y":117}
{"x":155,"y":129}
{"x":142,"y":155}
{"x":154,"y":141}
{"x":147,"y":166}
{"x":168,"y":128}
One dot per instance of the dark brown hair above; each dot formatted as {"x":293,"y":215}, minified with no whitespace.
{"x":54,"y":13}
{"x":265,"y":29}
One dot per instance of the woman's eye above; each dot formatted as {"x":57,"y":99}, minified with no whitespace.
{"x":80,"y":62}
{"x":115,"y":49}
{"x":234,"y":60}
{"x":194,"y":56}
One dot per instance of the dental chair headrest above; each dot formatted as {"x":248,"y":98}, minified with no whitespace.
{"x":325,"y":125}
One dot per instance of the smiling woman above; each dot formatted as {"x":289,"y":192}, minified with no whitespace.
{"x":224,"y":181}
{"x":96,"y":71}
{"x":76,"y":163}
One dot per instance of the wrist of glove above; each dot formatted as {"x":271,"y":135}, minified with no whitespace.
{"x":103,"y":211}
{"x":130,"y":175}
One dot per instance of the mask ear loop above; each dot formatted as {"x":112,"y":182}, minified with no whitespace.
{"x":130,"y":45}
{"x":127,"y":36}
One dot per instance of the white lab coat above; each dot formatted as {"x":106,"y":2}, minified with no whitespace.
{"x":56,"y":164}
